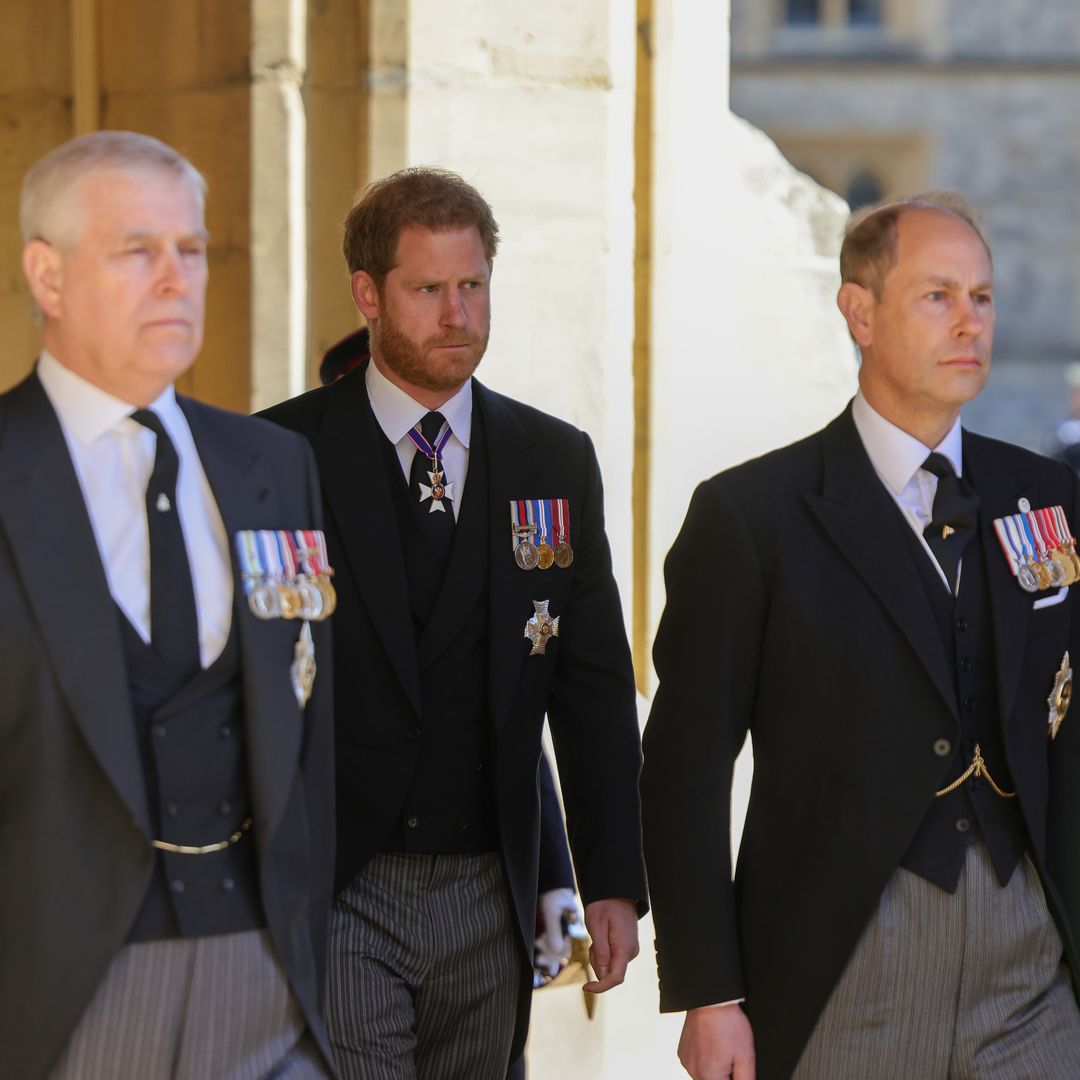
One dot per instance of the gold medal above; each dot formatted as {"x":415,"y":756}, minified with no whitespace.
{"x":292,"y":604}
{"x":564,"y":555}
{"x":1042,"y":574}
{"x":545,"y":557}
{"x":329,"y":593}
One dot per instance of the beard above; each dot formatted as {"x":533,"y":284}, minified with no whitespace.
{"x":417,"y":363}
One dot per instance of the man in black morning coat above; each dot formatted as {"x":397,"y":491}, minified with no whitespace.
{"x":440,"y":696}
{"x":908,"y":884}
{"x":166,"y":820}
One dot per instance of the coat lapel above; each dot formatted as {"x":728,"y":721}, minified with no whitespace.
{"x":357,"y":489}
{"x":1000,"y":490}
{"x":514,"y":465}
{"x":862,"y":520}
{"x":245,"y":492}
{"x":52,"y":540}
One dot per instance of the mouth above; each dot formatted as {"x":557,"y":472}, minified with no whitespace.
{"x":963,"y":362}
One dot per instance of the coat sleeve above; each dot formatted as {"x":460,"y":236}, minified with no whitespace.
{"x":592,"y":711}
{"x":707,"y":653}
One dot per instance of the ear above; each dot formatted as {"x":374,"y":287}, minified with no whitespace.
{"x":43,"y":266}
{"x":365,"y":294}
{"x":857,"y":305}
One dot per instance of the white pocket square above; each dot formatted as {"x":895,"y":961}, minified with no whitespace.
{"x":1052,"y":599}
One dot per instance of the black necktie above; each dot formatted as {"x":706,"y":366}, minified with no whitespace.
{"x":174,"y":625}
{"x":437,"y":524}
{"x":955,"y":513}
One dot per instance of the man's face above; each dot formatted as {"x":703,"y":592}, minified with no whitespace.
{"x":926,"y":343}
{"x":432,"y":314}
{"x":124,"y":304}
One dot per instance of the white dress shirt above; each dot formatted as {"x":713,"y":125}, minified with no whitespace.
{"x":114,"y":457}
{"x":397,"y":414}
{"x":897,"y":458}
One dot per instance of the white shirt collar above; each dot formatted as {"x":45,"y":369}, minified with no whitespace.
{"x":86,"y":410}
{"x":896,"y":455}
{"x":397,"y":413}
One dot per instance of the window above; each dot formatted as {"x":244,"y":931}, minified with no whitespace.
{"x":864,"y":12}
{"x":862,"y":189}
{"x":803,"y":12}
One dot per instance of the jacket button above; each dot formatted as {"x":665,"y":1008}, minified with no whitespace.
{"x":942,"y":747}
{"x":226,"y":731}
{"x":177,"y":885}
{"x":159,"y":731}
{"x":962,"y":625}
{"x":413,"y":734}
{"x":171,"y":808}
{"x":965,"y":663}
{"x":224,"y":807}
{"x":413,"y":822}
{"x":962,"y":824}
{"x":462,"y":824}
{"x":969,"y":704}
{"x":227,"y":885}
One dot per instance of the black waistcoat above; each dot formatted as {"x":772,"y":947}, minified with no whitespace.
{"x":191,"y":742}
{"x":952,"y":821}
{"x":449,"y":807}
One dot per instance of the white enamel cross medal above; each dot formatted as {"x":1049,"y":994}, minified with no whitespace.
{"x":437,"y":491}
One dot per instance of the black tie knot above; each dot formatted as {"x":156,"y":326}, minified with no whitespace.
{"x":954,"y":516}
{"x":939,"y":465}
{"x":431,"y":425}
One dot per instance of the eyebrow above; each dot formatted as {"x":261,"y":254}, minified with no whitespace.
{"x":147,"y":234}
{"x":949,"y":283}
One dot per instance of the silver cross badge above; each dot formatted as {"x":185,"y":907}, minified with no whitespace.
{"x":541,"y":628}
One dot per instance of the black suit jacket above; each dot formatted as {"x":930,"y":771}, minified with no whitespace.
{"x":75,"y":855}
{"x":795,"y":612}
{"x":584,"y":682}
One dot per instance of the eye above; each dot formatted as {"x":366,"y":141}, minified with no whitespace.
{"x":983,"y":298}
{"x":936,"y":294}
{"x":428,"y":289}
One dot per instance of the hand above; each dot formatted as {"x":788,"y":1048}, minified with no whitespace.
{"x":717,"y":1043}
{"x":612,"y":925}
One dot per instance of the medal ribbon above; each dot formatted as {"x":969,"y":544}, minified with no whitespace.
{"x":288,"y":555}
{"x":562,"y":517}
{"x":1016,"y":541}
{"x":272,"y":572}
{"x":1026,"y":539}
{"x":1063,"y":525}
{"x":1006,"y":544}
{"x":543,"y":516}
{"x":1032,"y":522}
{"x":248,"y":552}
{"x":1046,"y":520}
{"x":432,"y":453}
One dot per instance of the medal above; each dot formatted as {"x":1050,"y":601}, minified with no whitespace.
{"x":541,"y":628}
{"x":302,"y":669}
{"x":1060,"y":697}
{"x":564,"y":553}
{"x":438,"y":489}
{"x":286,"y":575}
{"x":545,"y":557}
{"x":1052,"y":571}
{"x":1055,"y":545}
{"x":525,"y":554}
{"x":523,"y":532}
{"x":1009,"y":536}
{"x":1067,"y":538}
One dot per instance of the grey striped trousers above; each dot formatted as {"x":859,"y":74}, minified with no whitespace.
{"x":204,"y":1008}
{"x":964,"y":986}
{"x":425,"y":970}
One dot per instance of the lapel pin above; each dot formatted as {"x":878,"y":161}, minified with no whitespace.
{"x":163,"y":506}
{"x":1023,"y":506}
{"x":946,"y":531}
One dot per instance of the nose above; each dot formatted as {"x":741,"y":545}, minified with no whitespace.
{"x":453,"y":310}
{"x":172,"y":277}
{"x":972,"y":318}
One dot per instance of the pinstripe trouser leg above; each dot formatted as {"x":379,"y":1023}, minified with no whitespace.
{"x":964,"y":986}
{"x":424,"y":970}
{"x":192,"y":1009}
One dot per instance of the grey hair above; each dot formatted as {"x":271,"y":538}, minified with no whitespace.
{"x":46,"y":206}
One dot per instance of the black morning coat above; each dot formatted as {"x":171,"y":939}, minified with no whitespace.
{"x":795,"y":612}
{"x":75,"y":832}
{"x":583,"y":681}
